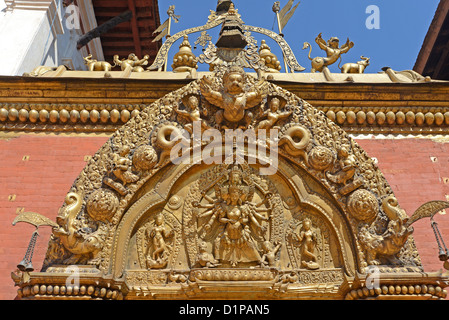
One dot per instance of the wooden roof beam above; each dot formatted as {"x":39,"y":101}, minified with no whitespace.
{"x":135,"y":29}
{"x":441,"y":62}
{"x":432,"y":35}
{"x":105,"y":27}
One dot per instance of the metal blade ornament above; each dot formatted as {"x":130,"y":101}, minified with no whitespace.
{"x":162,"y":30}
{"x":287,"y":7}
{"x":165,"y":28}
{"x":36,"y":220}
{"x":288,"y":16}
{"x":285,"y":14}
{"x":429,"y":210}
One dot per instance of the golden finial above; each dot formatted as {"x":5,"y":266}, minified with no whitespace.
{"x":184,"y":60}
{"x":270,"y":59}
{"x":232,"y":10}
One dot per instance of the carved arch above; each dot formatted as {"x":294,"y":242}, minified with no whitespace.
{"x":162,"y":192}
{"x":130,"y":180}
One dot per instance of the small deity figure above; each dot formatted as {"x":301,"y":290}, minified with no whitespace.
{"x":307,"y":239}
{"x":193,"y":115}
{"x":133,"y":62}
{"x":233,"y":100}
{"x":269,"y":256}
{"x":206,"y":259}
{"x":332,"y":49}
{"x":122,"y":167}
{"x":121,"y":170}
{"x":273,"y":114}
{"x":158,"y":252}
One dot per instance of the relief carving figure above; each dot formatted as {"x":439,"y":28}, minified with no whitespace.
{"x":307,"y":241}
{"x":233,"y":100}
{"x":132,"y":62}
{"x":206,"y":259}
{"x":122,"y":171}
{"x":193,"y":114}
{"x":269,"y":256}
{"x":122,"y":168}
{"x":236,"y":224}
{"x":159,"y":249}
{"x":273,"y":115}
{"x":348,"y":166}
{"x":332,"y":49}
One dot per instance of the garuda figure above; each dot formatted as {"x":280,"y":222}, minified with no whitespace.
{"x":232,"y":99}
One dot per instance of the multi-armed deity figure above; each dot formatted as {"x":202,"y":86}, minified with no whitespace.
{"x":236,"y":225}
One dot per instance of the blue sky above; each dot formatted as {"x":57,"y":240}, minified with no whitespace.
{"x":403,"y":27}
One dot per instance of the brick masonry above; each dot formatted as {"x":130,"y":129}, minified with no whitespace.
{"x":417,"y":170}
{"x":37,"y":171}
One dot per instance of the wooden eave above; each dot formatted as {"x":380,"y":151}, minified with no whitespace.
{"x":433,"y":58}
{"x":134,"y":36}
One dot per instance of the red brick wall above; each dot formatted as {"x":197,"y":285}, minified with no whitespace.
{"x":38,"y":184}
{"x":416,"y":179}
{"x":41,"y":182}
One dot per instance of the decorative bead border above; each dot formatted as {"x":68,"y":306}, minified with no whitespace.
{"x":108,"y":117}
{"x":55,"y":291}
{"x":385,"y":290}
